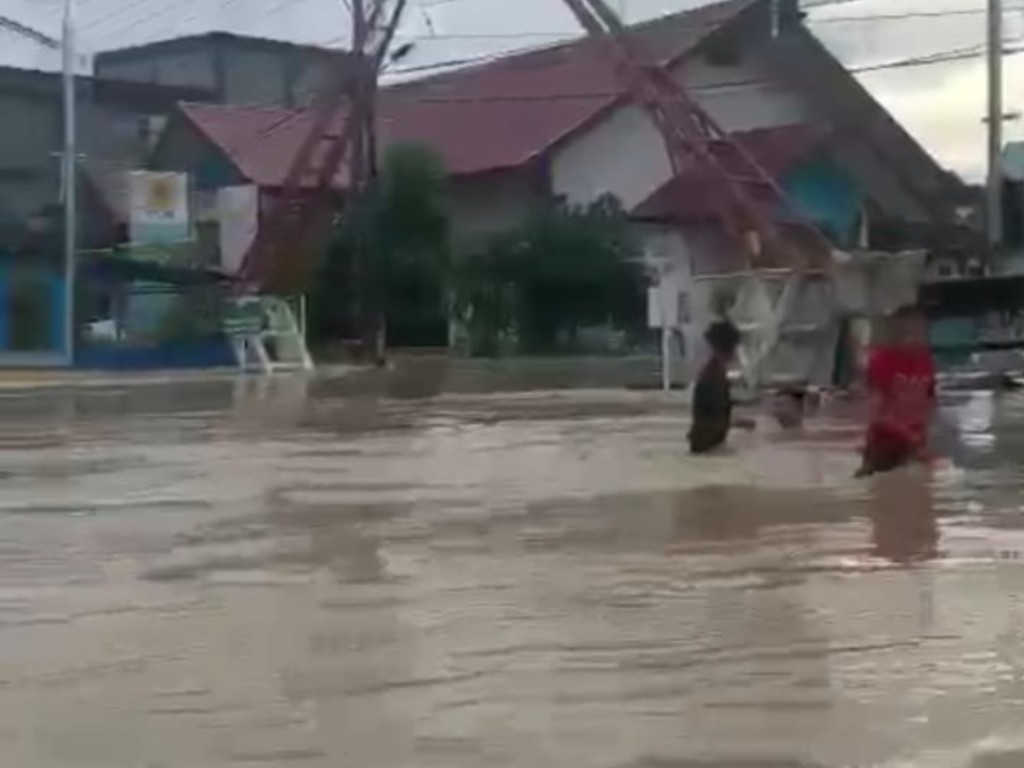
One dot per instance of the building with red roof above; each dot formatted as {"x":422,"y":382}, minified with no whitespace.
{"x":520,"y":131}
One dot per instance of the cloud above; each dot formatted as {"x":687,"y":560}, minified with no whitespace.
{"x":944,"y":105}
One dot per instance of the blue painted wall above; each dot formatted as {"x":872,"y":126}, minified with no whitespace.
{"x":212,"y":352}
{"x":213,"y":171}
{"x":825,"y":194}
{"x":56,"y":310}
{"x":954,"y":339}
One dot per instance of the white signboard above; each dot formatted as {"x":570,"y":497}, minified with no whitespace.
{"x":237,"y":214}
{"x":158,"y":209}
{"x":667,"y":306}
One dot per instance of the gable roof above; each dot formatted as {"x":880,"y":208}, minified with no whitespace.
{"x":262,"y":141}
{"x":777,"y":150}
{"x":579,"y":67}
{"x":497,"y":115}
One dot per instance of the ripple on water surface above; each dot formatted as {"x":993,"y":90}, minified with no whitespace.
{"x":513,"y":581}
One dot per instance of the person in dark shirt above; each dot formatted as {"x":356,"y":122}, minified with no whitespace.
{"x":712,"y":400}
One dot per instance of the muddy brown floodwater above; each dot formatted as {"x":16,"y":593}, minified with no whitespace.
{"x":242,"y":576}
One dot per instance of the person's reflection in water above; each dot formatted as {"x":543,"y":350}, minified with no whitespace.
{"x":904,"y":525}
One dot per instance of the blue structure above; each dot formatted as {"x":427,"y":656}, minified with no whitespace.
{"x":825,"y":194}
{"x":137,"y":301}
{"x":32,"y":311}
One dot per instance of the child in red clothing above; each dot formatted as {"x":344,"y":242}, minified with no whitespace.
{"x":901,"y":386}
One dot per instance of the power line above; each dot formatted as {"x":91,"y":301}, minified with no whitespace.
{"x":167,"y":10}
{"x":222,"y":5}
{"x":921,"y":61}
{"x":116,"y":12}
{"x":938,"y":57}
{"x":571,"y":34}
{"x":286,"y":4}
{"x":950,"y":13}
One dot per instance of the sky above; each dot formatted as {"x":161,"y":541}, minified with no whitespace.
{"x":941,"y":104}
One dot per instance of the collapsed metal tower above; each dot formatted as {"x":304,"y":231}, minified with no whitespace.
{"x":339,"y":133}
{"x":694,"y":139}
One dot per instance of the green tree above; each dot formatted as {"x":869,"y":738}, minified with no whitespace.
{"x":388,"y":259}
{"x":567,"y":268}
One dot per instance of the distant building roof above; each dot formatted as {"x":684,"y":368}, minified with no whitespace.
{"x":261,"y":141}
{"x":142,"y":96}
{"x":191,"y":42}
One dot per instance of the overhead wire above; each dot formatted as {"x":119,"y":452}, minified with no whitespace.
{"x":938,"y":57}
{"x":166,"y":9}
{"x":570,"y":34}
{"x":911,"y":15}
{"x":124,"y":9}
{"x":448,"y":64}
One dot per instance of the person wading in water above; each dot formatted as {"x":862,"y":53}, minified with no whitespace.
{"x":901,"y":387}
{"x":712,"y":399}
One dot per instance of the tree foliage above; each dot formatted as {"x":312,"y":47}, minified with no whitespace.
{"x":567,"y":268}
{"x":529,"y":290}
{"x":388,"y":259}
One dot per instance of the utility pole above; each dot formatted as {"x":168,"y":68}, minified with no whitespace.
{"x":993,"y":197}
{"x":70,"y":185}
{"x":367,"y":19}
{"x":360,"y":35}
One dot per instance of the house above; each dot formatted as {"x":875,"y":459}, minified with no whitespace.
{"x":233,"y":68}
{"x":519,"y":132}
{"x":117,"y":125}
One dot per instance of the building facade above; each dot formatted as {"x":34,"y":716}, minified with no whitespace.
{"x":234,"y":69}
{"x":551,"y":124}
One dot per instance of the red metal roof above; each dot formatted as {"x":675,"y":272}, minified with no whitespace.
{"x":493,"y":116}
{"x":777,"y":150}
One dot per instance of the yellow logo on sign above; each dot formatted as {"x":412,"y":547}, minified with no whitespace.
{"x":161,"y":195}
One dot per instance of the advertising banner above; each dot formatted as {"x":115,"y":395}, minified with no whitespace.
{"x":158,"y":210}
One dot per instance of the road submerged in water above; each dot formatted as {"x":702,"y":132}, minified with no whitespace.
{"x":261,"y":576}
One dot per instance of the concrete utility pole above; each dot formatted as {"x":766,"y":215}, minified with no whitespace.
{"x":70,"y":161}
{"x":993,"y":197}
{"x":68,"y":155}
{"x":373,"y":30}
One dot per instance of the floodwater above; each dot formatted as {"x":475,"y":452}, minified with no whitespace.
{"x":268,"y":575}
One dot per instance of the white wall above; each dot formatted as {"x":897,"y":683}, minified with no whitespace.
{"x":667,"y":256}
{"x":745,"y":96}
{"x":624,"y":154}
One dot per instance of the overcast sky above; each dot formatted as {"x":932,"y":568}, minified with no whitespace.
{"x":942,"y":104}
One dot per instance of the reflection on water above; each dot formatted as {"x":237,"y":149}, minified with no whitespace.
{"x":903,"y":518}
{"x":278,"y":573}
